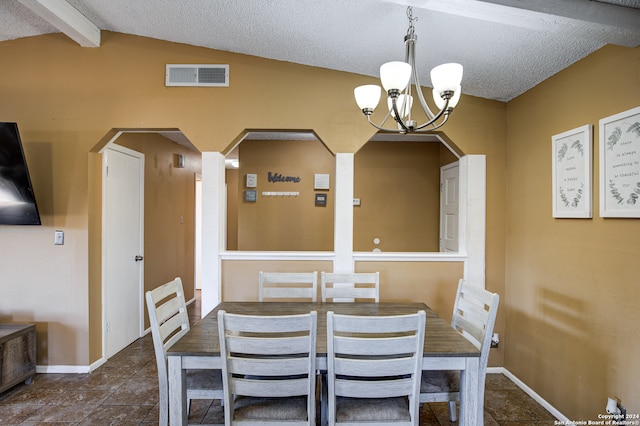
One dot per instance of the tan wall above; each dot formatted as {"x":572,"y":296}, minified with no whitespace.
{"x":169,"y":213}
{"x":240,"y":277}
{"x":285,"y":223}
{"x":434,"y":283}
{"x":572,"y":292}
{"x":67,"y":100}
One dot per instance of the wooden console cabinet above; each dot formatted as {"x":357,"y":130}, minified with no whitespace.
{"x":17,"y":354}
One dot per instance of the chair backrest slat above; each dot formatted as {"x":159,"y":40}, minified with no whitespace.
{"x":271,"y":388}
{"x":288,"y":285}
{"x":383,"y":388}
{"x":357,"y":285}
{"x":380,"y":346}
{"x":268,"y":346}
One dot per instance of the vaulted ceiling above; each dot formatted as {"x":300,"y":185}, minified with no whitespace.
{"x":506,"y":46}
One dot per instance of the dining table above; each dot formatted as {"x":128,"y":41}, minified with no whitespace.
{"x":444,"y":348}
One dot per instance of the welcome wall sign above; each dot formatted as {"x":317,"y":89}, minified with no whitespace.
{"x":273,"y":177}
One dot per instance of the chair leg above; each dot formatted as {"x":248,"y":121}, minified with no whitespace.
{"x":452,"y":412}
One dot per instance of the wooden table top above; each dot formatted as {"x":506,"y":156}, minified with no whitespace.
{"x":440,"y":338}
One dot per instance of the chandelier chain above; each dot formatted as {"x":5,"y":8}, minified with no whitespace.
{"x":411,"y":29}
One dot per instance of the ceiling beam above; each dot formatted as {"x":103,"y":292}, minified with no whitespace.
{"x":606,"y":23}
{"x":67,"y":19}
{"x":594,"y":12}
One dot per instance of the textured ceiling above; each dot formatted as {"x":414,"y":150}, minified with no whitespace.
{"x":506,"y":46}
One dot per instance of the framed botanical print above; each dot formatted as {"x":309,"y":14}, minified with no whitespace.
{"x":620,"y":164}
{"x":572,"y":173}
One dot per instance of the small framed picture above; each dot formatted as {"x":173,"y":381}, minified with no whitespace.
{"x":321,"y":200}
{"x":250,"y":196}
{"x":251,"y":180}
{"x":620,"y":164}
{"x":321,"y":181}
{"x":572,"y":173}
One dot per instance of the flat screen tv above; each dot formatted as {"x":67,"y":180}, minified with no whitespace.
{"x":17,"y":201}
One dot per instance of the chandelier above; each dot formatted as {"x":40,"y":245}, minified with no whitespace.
{"x":397,"y":79}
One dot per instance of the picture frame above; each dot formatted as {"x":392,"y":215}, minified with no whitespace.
{"x":620,"y":164}
{"x":321,"y":200}
{"x":572,"y":173}
{"x":250,"y":196}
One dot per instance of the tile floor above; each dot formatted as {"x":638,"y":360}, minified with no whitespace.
{"x":124,"y":391}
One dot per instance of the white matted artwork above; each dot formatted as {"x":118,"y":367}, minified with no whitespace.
{"x":620,"y":164}
{"x":572,"y":173}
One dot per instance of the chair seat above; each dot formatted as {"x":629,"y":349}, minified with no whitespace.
{"x":204,"y":380}
{"x":270,"y":409}
{"x":368,"y":409}
{"x":440,"y":381}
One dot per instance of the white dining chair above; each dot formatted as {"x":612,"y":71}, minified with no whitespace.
{"x":357,"y":285}
{"x":474,"y":315}
{"x":169,"y":322}
{"x":373,"y":368}
{"x":268,"y":368}
{"x":288,"y":285}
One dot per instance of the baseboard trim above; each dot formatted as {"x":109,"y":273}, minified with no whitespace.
{"x":63,"y":369}
{"x":550,"y":408}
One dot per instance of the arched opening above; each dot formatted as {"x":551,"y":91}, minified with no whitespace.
{"x":280,"y":188}
{"x":171,"y":164}
{"x":397,"y":192}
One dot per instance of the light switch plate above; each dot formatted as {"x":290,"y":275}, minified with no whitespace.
{"x":58,"y":238}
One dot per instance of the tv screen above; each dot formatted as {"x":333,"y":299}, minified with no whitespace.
{"x":17,"y":201}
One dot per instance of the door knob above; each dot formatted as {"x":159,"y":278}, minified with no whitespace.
{"x":139,"y":258}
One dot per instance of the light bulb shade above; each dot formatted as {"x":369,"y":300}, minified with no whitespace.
{"x":452,"y":102}
{"x":446,"y":77}
{"x":402,"y":104}
{"x":367,"y":96}
{"x":395,"y":75}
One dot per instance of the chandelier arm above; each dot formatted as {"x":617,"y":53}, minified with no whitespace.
{"x":410,"y":56}
{"x":380,"y":127}
{"x":397,"y":116}
{"x":431,"y":122}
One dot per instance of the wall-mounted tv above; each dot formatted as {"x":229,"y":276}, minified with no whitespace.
{"x":17,"y":201}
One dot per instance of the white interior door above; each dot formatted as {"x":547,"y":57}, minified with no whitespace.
{"x":123,"y":177}
{"x":449,"y":210}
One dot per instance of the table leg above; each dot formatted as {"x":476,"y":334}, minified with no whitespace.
{"x":471,"y":409}
{"x":177,"y":392}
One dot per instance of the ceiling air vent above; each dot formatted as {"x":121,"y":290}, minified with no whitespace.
{"x":197,"y":75}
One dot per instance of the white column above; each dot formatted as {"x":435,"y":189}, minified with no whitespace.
{"x":213,"y":218}
{"x":472,"y":225}
{"x":343,"y":220}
